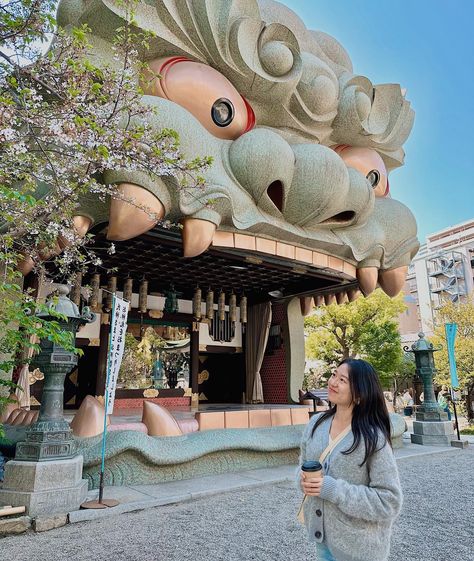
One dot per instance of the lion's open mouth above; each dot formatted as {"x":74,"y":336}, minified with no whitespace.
{"x":342,"y":218}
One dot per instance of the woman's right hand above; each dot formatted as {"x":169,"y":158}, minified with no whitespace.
{"x":311,"y":486}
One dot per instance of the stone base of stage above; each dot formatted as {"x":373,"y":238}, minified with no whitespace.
{"x":134,"y":458}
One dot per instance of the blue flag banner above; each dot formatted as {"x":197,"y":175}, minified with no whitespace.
{"x":451,"y":329}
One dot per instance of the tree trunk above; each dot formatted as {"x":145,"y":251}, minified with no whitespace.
{"x":470,"y":403}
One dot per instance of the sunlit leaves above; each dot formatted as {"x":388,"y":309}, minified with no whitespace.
{"x":366,"y":328}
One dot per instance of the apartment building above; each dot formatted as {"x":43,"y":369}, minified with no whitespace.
{"x":442,"y":270}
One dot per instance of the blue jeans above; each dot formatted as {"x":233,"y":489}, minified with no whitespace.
{"x":323,"y":553}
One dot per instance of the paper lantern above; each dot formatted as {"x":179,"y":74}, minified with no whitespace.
{"x":143,"y":297}
{"x":128,"y":291}
{"x":221,"y":306}
{"x":95,"y":288}
{"x":76,"y":289}
{"x":243,"y":309}
{"x":210,"y":304}
{"x":197,"y":299}
{"x":111,"y":290}
{"x":233,"y":307}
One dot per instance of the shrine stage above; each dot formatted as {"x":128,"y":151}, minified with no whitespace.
{"x":135,"y":458}
{"x":134,"y":414}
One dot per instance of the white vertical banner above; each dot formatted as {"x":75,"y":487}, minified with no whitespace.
{"x":118,"y":327}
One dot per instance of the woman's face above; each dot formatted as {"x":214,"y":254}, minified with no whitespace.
{"x":339,"y":388}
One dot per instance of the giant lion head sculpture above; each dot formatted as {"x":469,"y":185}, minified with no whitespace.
{"x":302,"y":145}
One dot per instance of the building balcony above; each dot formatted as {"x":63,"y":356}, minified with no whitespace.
{"x":447,"y":273}
{"x":449,"y":290}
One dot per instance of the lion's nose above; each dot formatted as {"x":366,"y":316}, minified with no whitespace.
{"x":308,"y":184}
{"x":263,"y":164}
{"x":324,"y":192}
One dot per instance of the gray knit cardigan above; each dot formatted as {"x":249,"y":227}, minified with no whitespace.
{"x":357,"y":506}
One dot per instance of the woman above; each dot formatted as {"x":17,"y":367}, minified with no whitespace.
{"x":349,"y":511}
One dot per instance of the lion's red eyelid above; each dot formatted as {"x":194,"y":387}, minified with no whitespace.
{"x":387,"y":189}
{"x":250,"y":116}
{"x":171,"y":61}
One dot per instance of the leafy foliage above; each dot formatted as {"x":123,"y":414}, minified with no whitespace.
{"x":463,"y":315}
{"x":366,"y":328}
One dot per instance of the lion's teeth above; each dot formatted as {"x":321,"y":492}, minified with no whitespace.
{"x":319,"y":300}
{"x":367,"y":277}
{"x":306,"y":303}
{"x":26,"y":265}
{"x":392,"y":280}
{"x":329,"y":299}
{"x":126,"y":219}
{"x":81,"y":226}
{"x":353,"y":294}
{"x":341,"y":297}
{"x":197,"y":235}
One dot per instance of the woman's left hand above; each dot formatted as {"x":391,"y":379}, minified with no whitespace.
{"x":311,"y":486}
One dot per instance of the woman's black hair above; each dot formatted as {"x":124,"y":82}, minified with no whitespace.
{"x":370,"y":414}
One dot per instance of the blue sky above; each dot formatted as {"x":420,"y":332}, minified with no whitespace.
{"x":427,"y":46}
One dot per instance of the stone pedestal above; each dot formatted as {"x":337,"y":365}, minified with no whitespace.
{"x":52,"y":487}
{"x":433,"y":432}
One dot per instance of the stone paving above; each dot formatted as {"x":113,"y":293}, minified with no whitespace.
{"x":258,"y":523}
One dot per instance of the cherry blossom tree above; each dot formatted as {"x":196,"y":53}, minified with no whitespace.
{"x":64,"y":120}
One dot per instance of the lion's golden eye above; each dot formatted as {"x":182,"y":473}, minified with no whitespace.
{"x":204,"y":92}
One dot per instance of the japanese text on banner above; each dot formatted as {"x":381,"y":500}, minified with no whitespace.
{"x":118,"y":328}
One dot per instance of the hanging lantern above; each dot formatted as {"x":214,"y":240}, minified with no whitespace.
{"x":233,"y":308}
{"x":76,"y":289}
{"x":143,"y":297}
{"x":128,"y":291}
{"x":111,"y":290}
{"x":95,"y":288}
{"x":243,"y":309}
{"x":221,"y":306}
{"x":197,"y":298}
{"x":210,"y":304}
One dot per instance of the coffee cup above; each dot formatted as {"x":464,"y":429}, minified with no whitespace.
{"x":312,"y":470}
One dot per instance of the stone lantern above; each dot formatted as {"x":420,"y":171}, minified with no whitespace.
{"x":431,"y":426}
{"x":50,"y":437}
{"x":46,"y":474}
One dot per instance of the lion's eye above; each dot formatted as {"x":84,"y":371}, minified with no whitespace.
{"x":368,"y":162}
{"x":373,"y":177}
{"x":222,"y":112}
{"x":204,"y":92}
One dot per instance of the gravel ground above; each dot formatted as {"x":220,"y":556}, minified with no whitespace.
{"x":259,"y":524}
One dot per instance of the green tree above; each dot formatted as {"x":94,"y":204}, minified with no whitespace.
{"x":463,"y":315}
{"x":366,"y":328}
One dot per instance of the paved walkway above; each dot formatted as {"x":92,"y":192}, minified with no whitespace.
{"x":259,"y":523}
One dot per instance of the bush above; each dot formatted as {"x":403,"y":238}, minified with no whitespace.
{"x":468,"y":430}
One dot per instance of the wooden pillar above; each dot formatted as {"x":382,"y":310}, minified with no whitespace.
{"x":244,"y":351}
{"x":194,"y":370}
